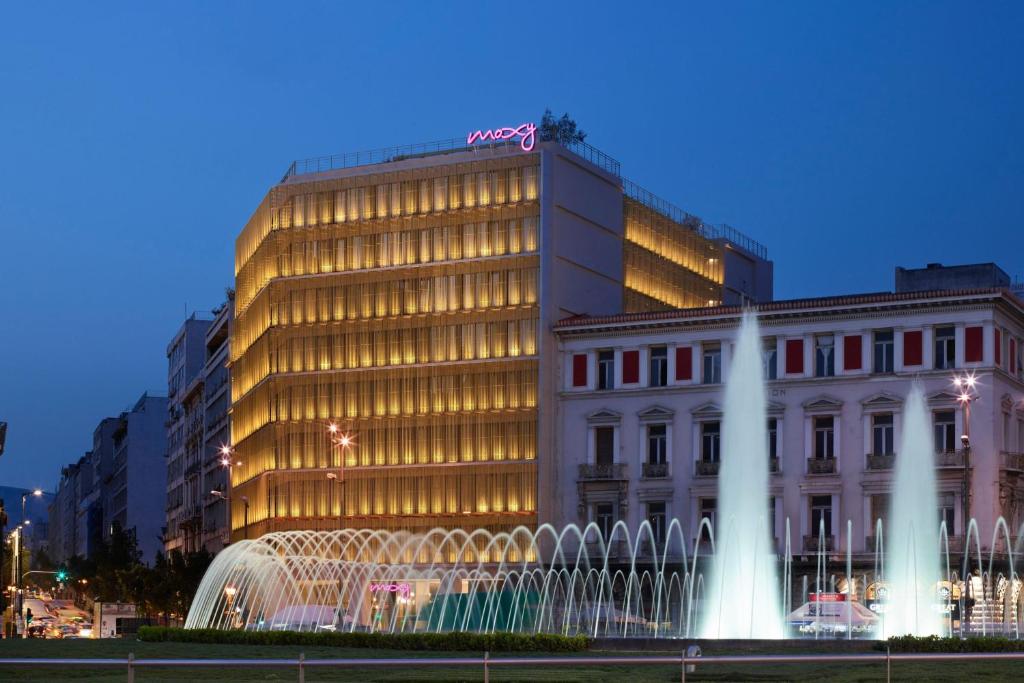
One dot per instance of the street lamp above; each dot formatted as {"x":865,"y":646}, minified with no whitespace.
{"x":344,"y":440}
{"x":21,"y":543}
{"x":965,"y":384}
{"x":228,"y":461}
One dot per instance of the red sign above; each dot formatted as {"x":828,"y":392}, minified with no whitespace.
{"x":828,"y":597}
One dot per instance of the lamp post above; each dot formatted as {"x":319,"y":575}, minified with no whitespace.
{"x":229,"y":462}
{"x":965,"y":384}
{"x":245,"y":501}
{"x":21,"y":544}
{"x":344,"y":440}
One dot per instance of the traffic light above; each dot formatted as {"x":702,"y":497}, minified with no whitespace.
{"x":62,"y":575}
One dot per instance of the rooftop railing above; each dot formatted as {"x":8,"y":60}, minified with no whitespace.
{"x":710,"y":231}
{"x":424,"y":149}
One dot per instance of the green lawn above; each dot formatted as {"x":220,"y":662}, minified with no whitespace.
{"x":845,"y":673}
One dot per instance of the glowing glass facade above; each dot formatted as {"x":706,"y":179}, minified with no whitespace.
{"x":409,"y":302}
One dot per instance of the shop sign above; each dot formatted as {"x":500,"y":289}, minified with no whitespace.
{"x":827,"y":597}
{"x":525,"y":132}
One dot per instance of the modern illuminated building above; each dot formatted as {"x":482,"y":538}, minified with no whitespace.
{"x":407,"y":297}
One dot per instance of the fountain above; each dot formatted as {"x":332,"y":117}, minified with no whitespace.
{"x":743,"y":587}
{"x":912,"y":561}
{"x":575,"y":580}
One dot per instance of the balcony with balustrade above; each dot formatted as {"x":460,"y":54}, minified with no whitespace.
{"x":814,"y":544}
{"x":881,"y":461}
{"x":1011,"y":462}
{"x":655,"y":470}
{"x":602,"y":471}
{"x":821,"y":465}
{"x":949,"y":459}
{"x":707,"y":468}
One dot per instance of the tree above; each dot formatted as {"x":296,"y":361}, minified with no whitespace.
{"x":563,"y":131}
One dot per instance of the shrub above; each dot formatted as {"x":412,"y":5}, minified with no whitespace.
{"x":454,"y":641}
{"x":937,"y":644}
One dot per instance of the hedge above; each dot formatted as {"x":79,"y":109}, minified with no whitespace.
{"x":937,"y":644}
{"x":456,"y":641}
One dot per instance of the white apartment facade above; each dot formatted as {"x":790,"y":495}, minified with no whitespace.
{"x":640,"y":411}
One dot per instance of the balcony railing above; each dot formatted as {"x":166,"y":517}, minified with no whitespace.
{"x":949,"y":459}
{"x":655,"y":470}
{"x":707,"y":469}
{"x":813,"y":544}
{"x":615,"y":470}
{"x":821,"y":465}
{"x":1012,"y":461}
{"x":885,"y":461}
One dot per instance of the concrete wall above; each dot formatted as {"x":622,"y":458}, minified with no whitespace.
{"x":581,"y":272}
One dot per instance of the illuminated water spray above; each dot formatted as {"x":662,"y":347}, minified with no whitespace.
{"x":743,"y":587}
{"x":912,"y":547}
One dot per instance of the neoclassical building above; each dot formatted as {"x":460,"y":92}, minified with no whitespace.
{"x":639,"y":419}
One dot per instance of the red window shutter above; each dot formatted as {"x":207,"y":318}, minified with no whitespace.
{"x":852,"y":352}
{"x":794,"y":356}
{"x":912,"y":347}
{"x":1013,"y":356}
{"x":972,"y":345}
{"x":630,"y":367}
{"x":579,"y":370}
{"x":998,"y":347}
{"x":684,"y":363}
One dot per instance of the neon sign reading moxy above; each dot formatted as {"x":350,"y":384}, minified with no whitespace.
{"x":403,"y":589}
{"x":526,"y":134}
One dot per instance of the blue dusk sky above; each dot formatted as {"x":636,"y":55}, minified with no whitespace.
{"x":136,"y":139}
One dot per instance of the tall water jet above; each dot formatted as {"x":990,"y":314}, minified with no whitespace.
{"x":912,"y":542}
{"x":743,"y":588}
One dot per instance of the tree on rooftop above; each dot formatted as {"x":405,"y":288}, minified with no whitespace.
{"x":564,"y":131}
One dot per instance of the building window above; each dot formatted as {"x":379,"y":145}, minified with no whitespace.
{"x":821,"y":515}
{"x":885,"y":352}
{"x":604,"y":445}
{"x":945,"y":431}
{"x":605,"y":369}
{"x":882,"y":435}
{"x":773,"y":438}
{"x":604,"y":516}
{"x":657,"y":445}
{"x":708,"y":507}
{"x":710,"y":441}
{"x":824,"y":355}
{"x":659,"y":366}
{"x":947,"y":512}
{"x":712,"y":364}
{"x":824,"y":437}
{"x":656,"y":518}
{"x":770,"y":358}
{"x":945,"y":348}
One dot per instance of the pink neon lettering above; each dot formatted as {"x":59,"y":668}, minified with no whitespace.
{"x":525,"y":132}
{"x":400,"y":588}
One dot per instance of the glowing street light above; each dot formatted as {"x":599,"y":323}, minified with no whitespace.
{"x":965,"y":383}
